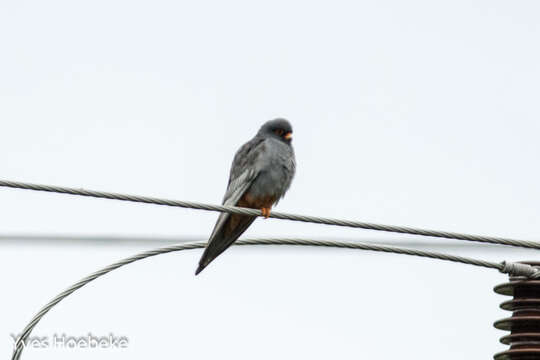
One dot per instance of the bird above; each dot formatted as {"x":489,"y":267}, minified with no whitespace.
{"x":261,"y":173}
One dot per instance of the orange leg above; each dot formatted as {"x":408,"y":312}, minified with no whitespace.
{"x":266,"y":212}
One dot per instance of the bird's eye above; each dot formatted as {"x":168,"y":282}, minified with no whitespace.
{"x":279,"y":132}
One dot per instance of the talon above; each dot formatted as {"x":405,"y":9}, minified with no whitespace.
{"x":265,"y":212}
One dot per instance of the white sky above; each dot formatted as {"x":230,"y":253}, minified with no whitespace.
{"x":414,"y":113}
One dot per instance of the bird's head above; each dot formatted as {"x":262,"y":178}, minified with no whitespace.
{"x":280,"y":129}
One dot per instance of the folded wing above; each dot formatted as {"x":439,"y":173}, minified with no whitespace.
{"x":229,"y":227}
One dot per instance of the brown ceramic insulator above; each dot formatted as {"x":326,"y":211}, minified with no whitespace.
{"x":524,"y":324}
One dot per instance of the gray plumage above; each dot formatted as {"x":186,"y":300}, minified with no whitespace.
{"x":261,"y":173}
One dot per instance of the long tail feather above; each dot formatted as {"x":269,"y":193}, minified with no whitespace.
{"x":223,"y":237}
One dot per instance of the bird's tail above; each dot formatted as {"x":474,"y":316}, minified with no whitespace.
{"x":223,"y":236}
{"x":200,"y":268}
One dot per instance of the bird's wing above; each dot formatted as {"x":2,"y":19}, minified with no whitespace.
{"x":243,"y":167}
{"x":243,"y":172}
{"x":235,"y":190}
{"x":228,"y":228}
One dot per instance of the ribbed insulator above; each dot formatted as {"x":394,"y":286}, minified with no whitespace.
{"x":524,"y":324}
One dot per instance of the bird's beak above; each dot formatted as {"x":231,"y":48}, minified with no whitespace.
{"x":288,"y":136}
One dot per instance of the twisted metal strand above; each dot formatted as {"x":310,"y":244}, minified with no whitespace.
{"x":503,"y":267}
{"x":274,"y":214}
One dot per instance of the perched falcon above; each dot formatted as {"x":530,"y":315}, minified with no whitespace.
{"x":261,"y":173}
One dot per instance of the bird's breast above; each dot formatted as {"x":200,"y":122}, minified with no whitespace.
{"x":275,"y":172}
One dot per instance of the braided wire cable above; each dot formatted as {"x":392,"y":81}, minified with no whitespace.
{"x":274,"y":214}
{"x":506,"y":267}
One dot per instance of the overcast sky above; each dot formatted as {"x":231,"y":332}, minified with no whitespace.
{"x":414,"y":113}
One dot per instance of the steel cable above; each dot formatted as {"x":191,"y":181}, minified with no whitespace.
{"x":274,"y":214}
{"x":506,"y":267}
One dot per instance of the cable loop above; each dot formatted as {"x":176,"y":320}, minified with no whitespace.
{"x":507,"y":267}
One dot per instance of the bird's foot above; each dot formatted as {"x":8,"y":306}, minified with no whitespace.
{"x":266,"y":212}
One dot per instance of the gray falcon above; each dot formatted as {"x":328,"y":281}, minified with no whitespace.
{"x":261,"y":173}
